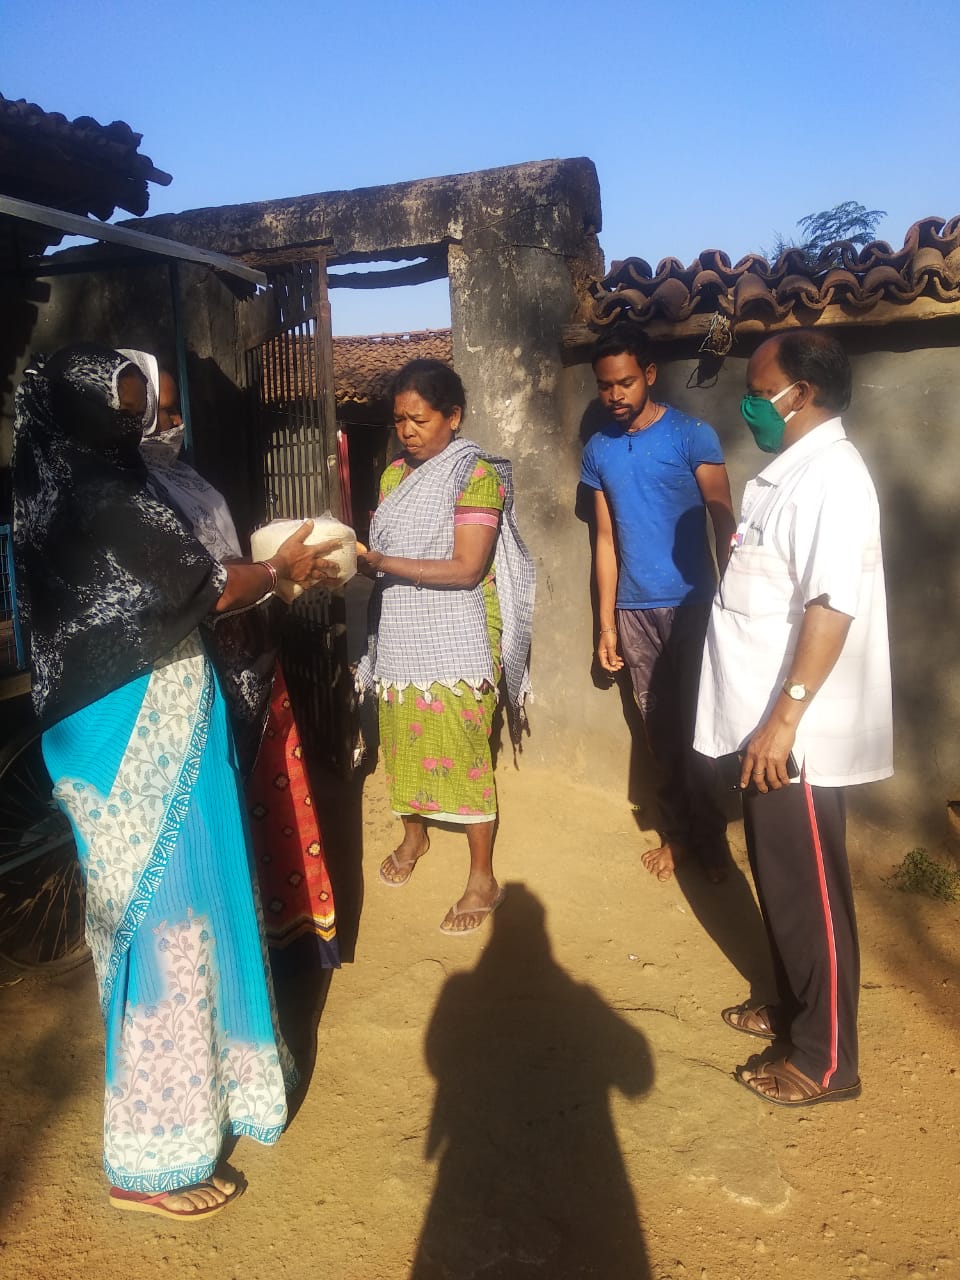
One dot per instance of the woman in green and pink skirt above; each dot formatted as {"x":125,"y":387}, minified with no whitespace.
{"x":454,"y":600}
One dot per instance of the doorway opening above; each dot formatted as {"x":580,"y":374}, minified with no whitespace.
{"x":383,"y":315}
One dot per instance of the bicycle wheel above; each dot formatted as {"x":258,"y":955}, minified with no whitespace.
{"x":41,"y":885}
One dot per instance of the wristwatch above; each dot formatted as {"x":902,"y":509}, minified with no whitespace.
{"x":795,"y":690}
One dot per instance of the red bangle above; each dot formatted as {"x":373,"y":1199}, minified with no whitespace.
{"x":274,"y":576}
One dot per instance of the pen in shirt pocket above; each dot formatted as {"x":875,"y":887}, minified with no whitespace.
{"x":747,"y":535}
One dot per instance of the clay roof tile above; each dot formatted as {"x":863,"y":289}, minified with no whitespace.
{"x":928,"y":265}
{"x":752,"y":294}
{"x":671,"y":299}
{"x":364,"y":366}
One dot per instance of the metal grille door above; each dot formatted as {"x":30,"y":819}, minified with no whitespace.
{"x":294,"y":440}
{"x":291,"y":375}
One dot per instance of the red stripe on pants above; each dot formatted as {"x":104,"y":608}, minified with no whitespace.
{"x":796,"y":840}
{"x":828,"y":929}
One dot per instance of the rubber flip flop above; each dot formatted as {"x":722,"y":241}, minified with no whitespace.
{"x":482,"y":912}
{"x":400,"y":866}
{"x":145,"y":1202}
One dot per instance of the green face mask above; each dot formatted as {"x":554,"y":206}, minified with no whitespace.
{"x":765,"y":423}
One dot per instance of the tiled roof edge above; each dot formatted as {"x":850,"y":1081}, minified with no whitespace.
{"x":928,"y":266}
{"x":364,"y":365}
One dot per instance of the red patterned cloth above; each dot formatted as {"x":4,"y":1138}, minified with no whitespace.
{"x":294,"y":884}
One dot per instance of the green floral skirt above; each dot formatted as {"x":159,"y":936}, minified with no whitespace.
{"x":436,"y":751}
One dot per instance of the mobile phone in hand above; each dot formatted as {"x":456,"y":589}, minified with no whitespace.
{"x":793,"y":771}
{"x":729,"y":769}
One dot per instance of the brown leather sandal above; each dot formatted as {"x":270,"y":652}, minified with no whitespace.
{"x":752,"y":1019}
{"x":782,"y":1084}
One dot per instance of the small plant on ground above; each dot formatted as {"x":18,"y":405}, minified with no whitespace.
{"x":919,"y":873}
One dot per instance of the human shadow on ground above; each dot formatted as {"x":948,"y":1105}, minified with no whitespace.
{"x":729,"y":915}
{"x":300,"y":981}
{"x":728,"y":912}
{"x":43,"y":1072}
{"x":301,"y":987}
{"x":531,"y":1180}
{"x":339,"y":807}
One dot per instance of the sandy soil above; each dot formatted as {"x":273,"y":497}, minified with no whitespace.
{"x":551,"y":1098}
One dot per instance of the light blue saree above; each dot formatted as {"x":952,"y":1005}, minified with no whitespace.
{"x":148,"y":779}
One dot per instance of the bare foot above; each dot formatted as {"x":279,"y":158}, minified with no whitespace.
{"x":473,"y":908}
{"x":397,"y":867}
{"x":205,"y":1195}
{"x":663,"y":861}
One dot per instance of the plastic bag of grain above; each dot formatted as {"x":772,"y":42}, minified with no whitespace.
{"x":267,"y":539}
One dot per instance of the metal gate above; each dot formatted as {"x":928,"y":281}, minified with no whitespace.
{"x":294,"y":469}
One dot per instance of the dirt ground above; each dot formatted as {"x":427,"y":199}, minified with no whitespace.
{"x":549,"y":1098}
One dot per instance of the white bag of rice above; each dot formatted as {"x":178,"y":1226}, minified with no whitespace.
{"x":267,"y":540}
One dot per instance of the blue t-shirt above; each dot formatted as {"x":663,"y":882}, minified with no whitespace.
{"x":657,"y":508}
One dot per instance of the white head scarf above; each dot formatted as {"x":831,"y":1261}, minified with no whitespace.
{"x":148,"y":366}
{"x":174,"y":481}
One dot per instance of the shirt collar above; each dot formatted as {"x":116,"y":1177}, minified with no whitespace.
{"x":820,"y":437}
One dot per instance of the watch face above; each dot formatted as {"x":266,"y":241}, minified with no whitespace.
{"x":797,"y":691}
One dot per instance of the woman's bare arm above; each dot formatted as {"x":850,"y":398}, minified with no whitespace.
{"x":472,"y":549}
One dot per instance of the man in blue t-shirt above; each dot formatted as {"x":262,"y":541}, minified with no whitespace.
{"x":653,"y":470}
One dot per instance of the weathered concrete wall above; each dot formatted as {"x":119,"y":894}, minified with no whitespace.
{"x":520,"y":243}
{"x":521,"y":239}
{"x":508,"y":306}
{"x":551,"y":204}
{"x":905,"y":419}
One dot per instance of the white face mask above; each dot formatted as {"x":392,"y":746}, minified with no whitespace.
{"x":163,"y":446}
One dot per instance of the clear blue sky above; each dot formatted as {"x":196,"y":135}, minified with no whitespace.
{"x":712,"y":125}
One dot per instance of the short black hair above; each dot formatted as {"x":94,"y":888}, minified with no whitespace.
{"x":435,"y":382}
{"x":810,"y":355}
{"x":623,"y":340}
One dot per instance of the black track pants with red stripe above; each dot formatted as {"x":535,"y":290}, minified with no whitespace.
{"x":796,"y":839}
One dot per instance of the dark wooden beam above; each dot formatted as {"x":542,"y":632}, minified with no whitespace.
{"x":416,"y":273}
{"x":576,"y":337}
{"x":76,"y":225}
